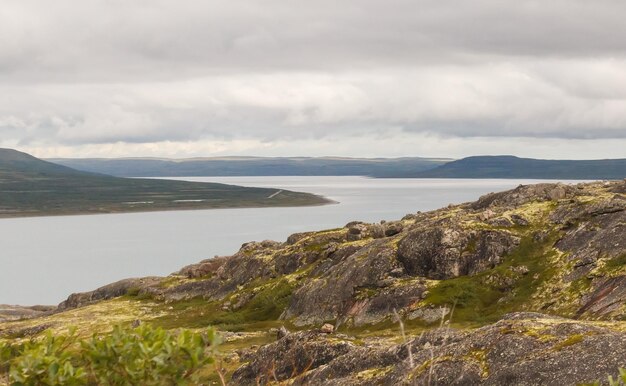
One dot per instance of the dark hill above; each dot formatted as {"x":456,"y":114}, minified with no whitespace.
{"x":514,"y":167}
{"x":253,"y":166}
{"x":32,"y":187}
{"x":13,"y":162}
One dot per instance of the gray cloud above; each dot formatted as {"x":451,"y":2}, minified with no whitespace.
{"x":161,"y":74}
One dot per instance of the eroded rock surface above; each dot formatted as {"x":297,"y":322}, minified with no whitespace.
{"x":520,"y":349}
{"x":8,"y":312}
{"x":444,"y":252}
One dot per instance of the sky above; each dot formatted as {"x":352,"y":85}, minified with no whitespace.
{"x":357,"y":78}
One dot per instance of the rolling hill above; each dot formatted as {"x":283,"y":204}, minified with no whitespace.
{"x":252,"y":166}
{"x":514,"y":167}
{"x":31,"y":187}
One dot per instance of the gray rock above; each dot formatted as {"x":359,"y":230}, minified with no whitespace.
{"x":445,"y":252}
{"x":520,"y":349}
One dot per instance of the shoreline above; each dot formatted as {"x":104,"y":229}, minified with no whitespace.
{"x":3,"y":216}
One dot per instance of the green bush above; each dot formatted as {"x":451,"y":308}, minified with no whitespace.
{"x":620,"y":381}
{"x":127,"y":356}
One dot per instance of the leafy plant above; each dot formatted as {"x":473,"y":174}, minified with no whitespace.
{"x":620,"y":381}
{"x":127,"y":356}
{"x":46,"y":362}
{"x":148,"y":356}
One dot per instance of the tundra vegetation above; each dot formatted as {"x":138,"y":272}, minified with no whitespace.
{"x":526,"y":286}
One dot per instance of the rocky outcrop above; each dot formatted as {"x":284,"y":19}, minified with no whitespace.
{"x":293,"y":354}
{"x":444,"y":252}
{"x":204,"y":269}
{"x":332,"y":294}
{"x":110,"y":291}
{"x":551,"y":247}
{"x":524,"y":194}
{"x":8,"y":312}
{"x":520,"y":349}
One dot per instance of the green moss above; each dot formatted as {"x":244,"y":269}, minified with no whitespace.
{"x":471,"y":246}
{"x":533,"y":332}
{"x":365,"y":293}
{"x":570,"y":341}
{"x":372,"y":374}
{"x":266,"y":306}
{"x":480,"y":356}
{"x":616,"y":263}
{"x":316,"y":247}
{"x":482,"y":298}
{"x":426,"y":365}
{"x":133,"y":291}
{"x":581,"y":285}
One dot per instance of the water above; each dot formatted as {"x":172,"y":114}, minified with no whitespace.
{"x":44,"y":259}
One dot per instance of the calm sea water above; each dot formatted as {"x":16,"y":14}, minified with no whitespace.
{"x":44,"y":259}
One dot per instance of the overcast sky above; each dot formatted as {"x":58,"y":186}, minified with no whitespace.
{"x":361,"y":78}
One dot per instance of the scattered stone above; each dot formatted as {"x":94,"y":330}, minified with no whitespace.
{"x":282,"y":332}
{"x":393,"y":228}
{"x":397,"y":272}
{"x":500,"y":222}
{"x":519,"y":220}
{"x":429,"y":315}
{"x":486,"y":215}
{"x":520,"y":269}
{"x":327,"y":328}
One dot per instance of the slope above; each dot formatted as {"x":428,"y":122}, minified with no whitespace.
{"x":514,"y":167}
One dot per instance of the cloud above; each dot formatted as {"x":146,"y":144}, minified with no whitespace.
{"x":145,"y":75}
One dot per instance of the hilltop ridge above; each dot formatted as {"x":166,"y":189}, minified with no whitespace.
{"x":507,"y":166}
{"x":253,"y":166}
{"x":504,"y":166}
{"x":13,"y":162}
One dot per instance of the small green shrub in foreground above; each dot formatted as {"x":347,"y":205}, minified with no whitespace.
{"x":620,"y":381}
{"x":127,"y":356}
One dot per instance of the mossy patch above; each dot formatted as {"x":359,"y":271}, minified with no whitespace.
{"x":480,"y":357}
{"x":616,"y":264}
{"x":570,"y":341}
{"x":266,"y":305}
{"x":483,"y":297}
{"x":373,"y":374}
{"x":94,"y":318}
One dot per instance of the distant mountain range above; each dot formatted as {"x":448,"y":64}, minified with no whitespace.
{"x":410,"y":167}
{"x":253,"y":166}
{"x":33,"y":187}
{"x":514,"y":167}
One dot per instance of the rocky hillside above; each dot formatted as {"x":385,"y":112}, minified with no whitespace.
{"x":526,"y":286}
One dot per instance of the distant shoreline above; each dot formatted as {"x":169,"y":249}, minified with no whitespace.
{"x":326,"y":201}
{"x":498,"y":166}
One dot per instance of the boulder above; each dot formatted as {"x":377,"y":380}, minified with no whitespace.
{"x":288,"y":357}
{"x":444,"y":252}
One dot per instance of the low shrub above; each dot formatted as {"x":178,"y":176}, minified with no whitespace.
{"x":126,"y":356}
